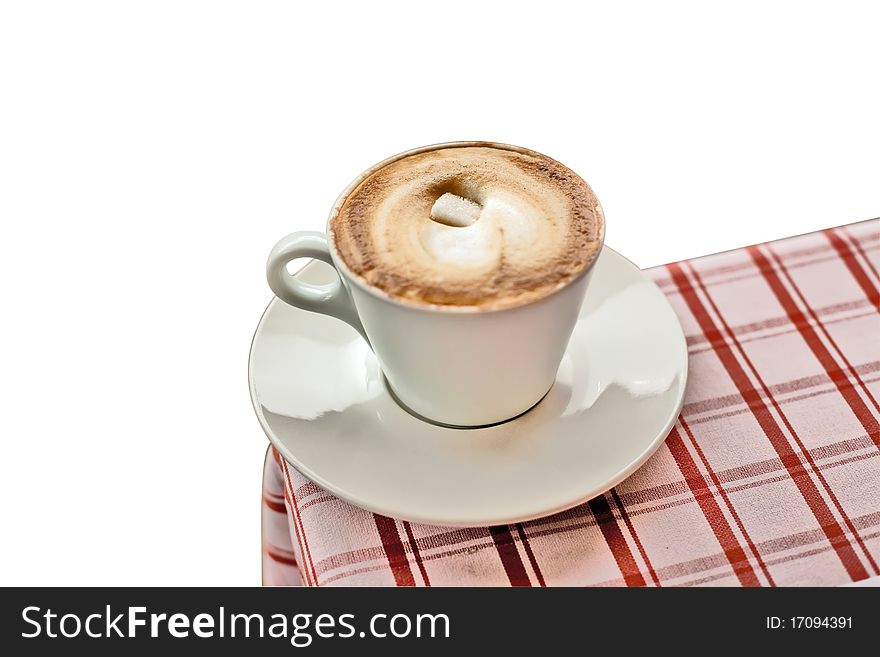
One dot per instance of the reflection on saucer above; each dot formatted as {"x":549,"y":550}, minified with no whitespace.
{"x":611,"y":346}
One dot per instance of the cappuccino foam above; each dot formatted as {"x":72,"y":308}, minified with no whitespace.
{"x":470,"y":226}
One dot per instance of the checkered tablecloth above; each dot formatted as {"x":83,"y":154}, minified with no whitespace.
{"x":770,"y":477}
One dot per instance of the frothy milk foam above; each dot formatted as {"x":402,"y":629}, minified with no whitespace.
{"x":480,"y":226}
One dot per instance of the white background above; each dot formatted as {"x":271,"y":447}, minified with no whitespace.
{"x":151,"y":153}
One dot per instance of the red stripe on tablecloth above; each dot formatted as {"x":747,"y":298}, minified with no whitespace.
{"x":858,"y":247}
{"x":626,"y":562}
{"x":530,"y":554}
{"x":317,"y":500}
{"x":296,"y":529}
{"x":299,"y":539}
{"x":310,"y":569}
{"x":509,"y":555}
{"x":777,"y":390}
{"x":712,"y":512}
{"x":782,"y":321}
{"x":275,"y":506}
{"x":278,"y":497}
{"x":414,"y":546}
{"x":394,"y":550}
{"x":790,"y":329}
{"x":787,"y":400}
{"x":854,"y":267}
{"x":824,"y":356}
{"x":275,"y":555}
{"x":632,"y":532}
{"x":769,"y":426}
{"x":308,"y":488}
{"x":781,"y":544}
{"x":723,"y":493}
{"x":855,"y":402}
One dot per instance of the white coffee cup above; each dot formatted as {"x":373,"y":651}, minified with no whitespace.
{"x":456,"y":366}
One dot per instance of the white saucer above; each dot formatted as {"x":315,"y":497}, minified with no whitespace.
{"x":322,"y":401}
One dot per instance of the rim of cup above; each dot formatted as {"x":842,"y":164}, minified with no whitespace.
{"x":429,"y":307}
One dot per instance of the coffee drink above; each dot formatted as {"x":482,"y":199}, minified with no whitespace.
{"x":476,"y":226}
{"x":426,"y":245}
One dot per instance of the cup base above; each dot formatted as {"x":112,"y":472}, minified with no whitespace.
{"x":445,"y":425}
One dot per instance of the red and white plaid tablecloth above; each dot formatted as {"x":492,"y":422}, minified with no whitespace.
{"x":770,"y":477}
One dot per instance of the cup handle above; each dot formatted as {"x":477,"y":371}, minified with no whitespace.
{"x":331,"y":299}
